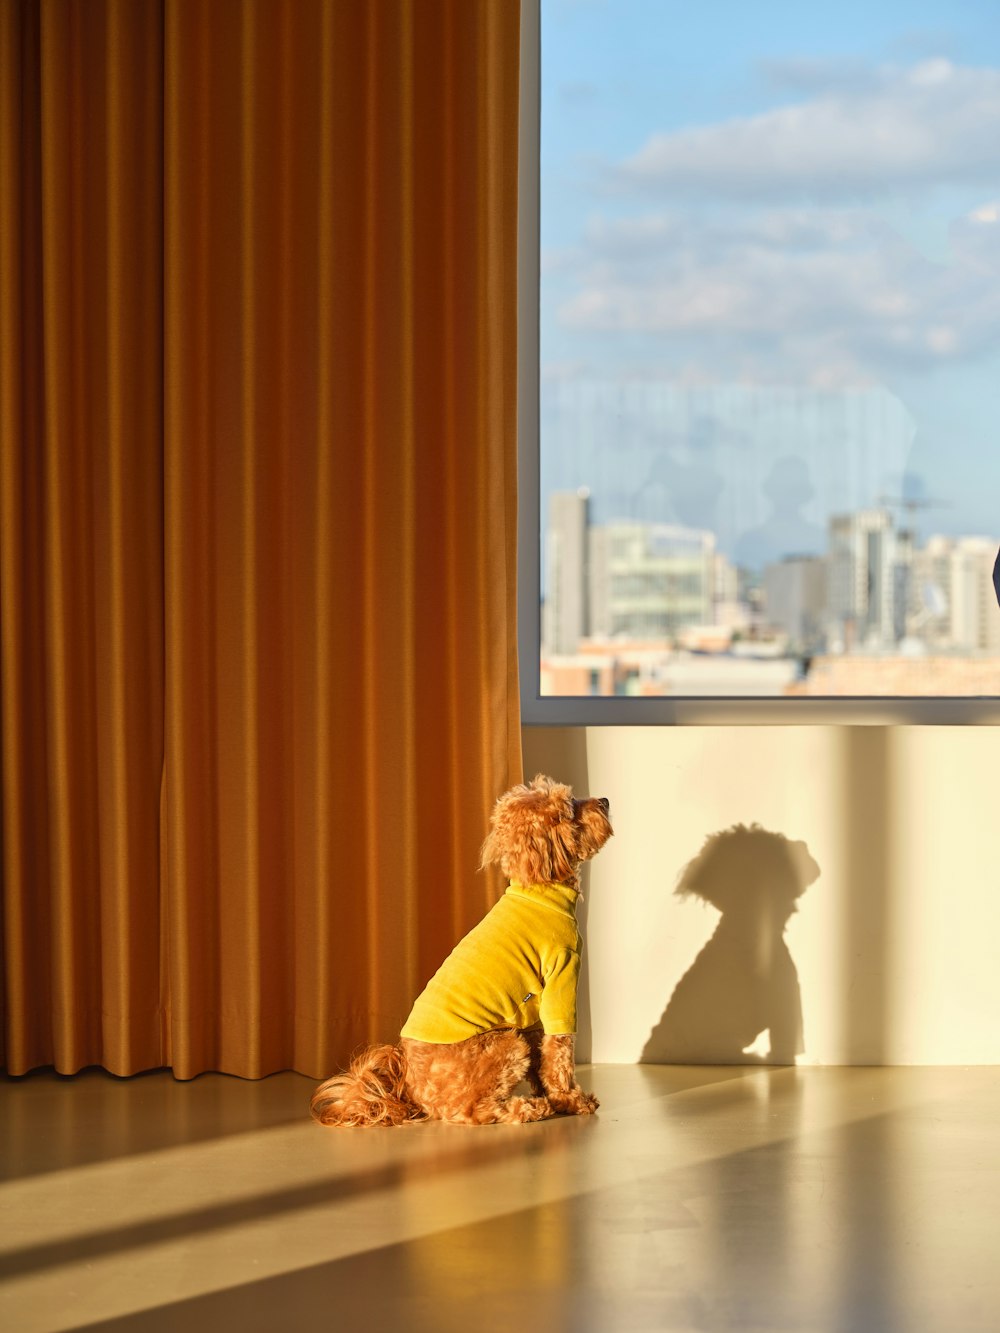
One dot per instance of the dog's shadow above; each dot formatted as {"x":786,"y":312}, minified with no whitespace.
{"x":743,"y":982}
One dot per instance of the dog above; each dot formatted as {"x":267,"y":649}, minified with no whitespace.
{"x":501,"y":1009}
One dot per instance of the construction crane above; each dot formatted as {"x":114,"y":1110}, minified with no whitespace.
{"x":911,"y":504}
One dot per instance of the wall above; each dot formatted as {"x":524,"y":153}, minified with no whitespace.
{"x":893,"y":952}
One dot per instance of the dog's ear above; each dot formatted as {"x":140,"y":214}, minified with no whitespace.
{"x":533,"y":836}
{"x":547,"y":855}
{"x":490,"y":853}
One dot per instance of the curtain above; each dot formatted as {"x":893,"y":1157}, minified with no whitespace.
{"x":258,"y":378}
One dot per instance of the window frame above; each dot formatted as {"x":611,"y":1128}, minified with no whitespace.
{"x":588,"y":710}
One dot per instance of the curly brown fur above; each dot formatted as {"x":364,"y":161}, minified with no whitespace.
{"x":471,"y":1082}
{"x":557,"y":1074}
{"x":372,"y":1091}
{"x":539,"y":834}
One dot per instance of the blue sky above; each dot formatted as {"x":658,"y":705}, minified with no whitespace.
{"x":783,"y":194}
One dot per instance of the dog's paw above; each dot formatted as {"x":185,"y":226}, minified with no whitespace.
{"x":526,"y":1110}
{"x":576,"y":1102}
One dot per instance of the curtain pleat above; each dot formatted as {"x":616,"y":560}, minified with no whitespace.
{"x":259,"y":654}
{"x":81,"y":547}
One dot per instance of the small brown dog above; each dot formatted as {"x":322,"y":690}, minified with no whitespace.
{"x":502,"y":1007}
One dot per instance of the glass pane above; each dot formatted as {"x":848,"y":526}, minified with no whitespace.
{"x":770,"y":308}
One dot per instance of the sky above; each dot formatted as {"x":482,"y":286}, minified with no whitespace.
{"x":777,"y":196}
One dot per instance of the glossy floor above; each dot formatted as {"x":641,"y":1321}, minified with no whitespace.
{"x":811,"y":1199}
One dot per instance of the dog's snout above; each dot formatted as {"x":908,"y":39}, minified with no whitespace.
{"x":605,"y":804}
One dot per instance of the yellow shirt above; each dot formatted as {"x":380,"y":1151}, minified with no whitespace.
{"x":519,"y":967}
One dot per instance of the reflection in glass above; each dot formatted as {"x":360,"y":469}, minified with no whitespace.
{"x":770,"y":319}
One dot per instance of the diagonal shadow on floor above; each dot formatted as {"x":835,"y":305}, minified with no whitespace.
{"x":55,"y":1122}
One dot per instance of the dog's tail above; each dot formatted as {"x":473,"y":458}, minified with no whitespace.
{"x":371,"y":1092}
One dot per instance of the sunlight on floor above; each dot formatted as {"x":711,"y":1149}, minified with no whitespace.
{"x":697,"y":1199}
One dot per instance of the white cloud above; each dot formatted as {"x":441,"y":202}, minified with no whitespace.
{"x":828,"y":296}
{"x":862,"y":134}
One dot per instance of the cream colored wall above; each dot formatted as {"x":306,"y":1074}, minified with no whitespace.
{"x":896,"y":944}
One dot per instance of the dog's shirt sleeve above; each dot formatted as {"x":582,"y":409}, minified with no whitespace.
{"x":558,"y":1005}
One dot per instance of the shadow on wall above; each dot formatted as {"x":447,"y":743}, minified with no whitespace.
{"x":743,"y":982}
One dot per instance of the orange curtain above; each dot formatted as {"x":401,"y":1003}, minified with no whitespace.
{"x":257,"y":360}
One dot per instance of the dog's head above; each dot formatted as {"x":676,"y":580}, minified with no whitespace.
{"x":541,"y":834}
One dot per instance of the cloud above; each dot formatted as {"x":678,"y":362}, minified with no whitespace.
{"x":830,"y":296}
{"x":864,"y":133}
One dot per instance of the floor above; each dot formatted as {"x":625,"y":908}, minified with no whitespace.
{"x":701,"y":1199}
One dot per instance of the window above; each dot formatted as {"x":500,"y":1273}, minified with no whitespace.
{"x":766,"y":383}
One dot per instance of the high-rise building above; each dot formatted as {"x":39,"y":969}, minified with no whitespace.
{"x":868,"y":588}
{"x":729,"y":609}
{"x":564,"y":621}
{"x":952,"y":602}
{"x":972,"y":615}
{"x":649,"y":580}
{"x":931,"y":592}
{"x":795,"y":592}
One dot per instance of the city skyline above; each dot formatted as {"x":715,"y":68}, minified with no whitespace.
{"x":630,"y":600}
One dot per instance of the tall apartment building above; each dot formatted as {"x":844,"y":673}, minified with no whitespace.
{"x":973,"y":623}
{"x":649,"y":580}
{"x":931,"y":596}
{"x":729,"y":607}
{"x":565,"y":618}
{"x":868,"y":579}
{"x":795,"y":592}
{"x":953,"y":602}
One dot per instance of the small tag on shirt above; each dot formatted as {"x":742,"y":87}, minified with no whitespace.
{"x":530,"y":996}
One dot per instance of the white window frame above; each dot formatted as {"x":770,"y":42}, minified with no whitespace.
{"x":553,"y":710}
